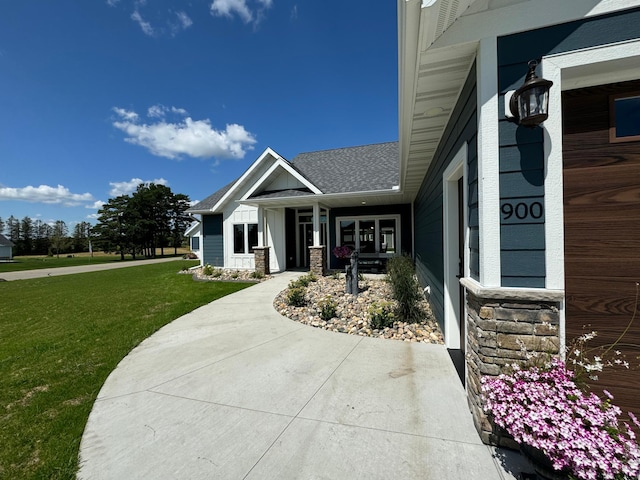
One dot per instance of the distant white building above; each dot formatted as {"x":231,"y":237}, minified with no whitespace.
{"x":194,"y":232}
{"x":6,"y":248}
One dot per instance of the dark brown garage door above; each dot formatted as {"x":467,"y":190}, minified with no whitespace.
{"x":602,"y":229}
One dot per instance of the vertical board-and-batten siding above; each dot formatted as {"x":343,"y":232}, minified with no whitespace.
{"x":522,"y":240}
{"x":212,"y":240}
{"x":463,"y":127}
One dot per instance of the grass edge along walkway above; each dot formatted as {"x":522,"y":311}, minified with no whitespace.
{"x":60,"y":337}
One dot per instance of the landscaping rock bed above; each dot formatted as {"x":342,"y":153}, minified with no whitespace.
{"x":352,"y":316}
{"x":226,"y":275}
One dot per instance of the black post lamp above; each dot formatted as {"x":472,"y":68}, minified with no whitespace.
{"x":529,"y":104}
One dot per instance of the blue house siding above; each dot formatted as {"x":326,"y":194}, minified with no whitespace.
{"x":212,"y":240}
{"x":404,"y":211}
{"x":522,"y":229}
{"x":428,"y":205}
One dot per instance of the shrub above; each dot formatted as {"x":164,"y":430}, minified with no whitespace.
{"x":381,"y":314}
{"x":295,"y":296}
{"x":207,"y":270}
{"x":217,"y":273}
{"x":304,"y":280}
{"x":235,"y":274}
{"x":405,"y":287}
{"x":328,"y":308}
{"x":258,"y":275}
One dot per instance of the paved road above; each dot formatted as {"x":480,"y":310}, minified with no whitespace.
{"x":52,"y":272}
{"x":233,"y":390}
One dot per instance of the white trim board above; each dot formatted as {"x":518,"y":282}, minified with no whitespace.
{"x":453,"y":317}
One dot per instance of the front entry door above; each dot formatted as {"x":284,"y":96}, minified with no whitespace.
{"x":306,"y":241}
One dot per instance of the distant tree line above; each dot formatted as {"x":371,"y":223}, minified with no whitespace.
{"x":137,"y":224}
{"x":35,"y":237}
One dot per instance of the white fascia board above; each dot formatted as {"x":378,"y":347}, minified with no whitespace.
{"x":268,"y":152}
{"x":409,"y":13}
{"x":280,"y":163}
{"x":525,"y":16}
{"x":194,"y":229}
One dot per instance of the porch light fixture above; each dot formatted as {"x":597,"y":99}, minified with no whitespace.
{"x":529,"y":104}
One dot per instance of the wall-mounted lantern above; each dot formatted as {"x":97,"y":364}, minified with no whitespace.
{"x":529,"y":104}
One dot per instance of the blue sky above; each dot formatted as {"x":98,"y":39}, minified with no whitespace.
{"x":97,"y":96}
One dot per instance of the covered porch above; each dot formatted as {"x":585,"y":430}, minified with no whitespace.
{"x":295,"y":233}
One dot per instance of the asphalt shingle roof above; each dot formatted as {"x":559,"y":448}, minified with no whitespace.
{"x":343,"y":170}
{"x":352,"y":169}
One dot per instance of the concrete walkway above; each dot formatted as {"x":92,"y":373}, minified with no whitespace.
{"x":96,"y":267}
{"x":233,"y":390}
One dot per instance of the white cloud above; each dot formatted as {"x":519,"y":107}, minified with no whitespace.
{"x":184,"y":19}
{"x":144,"y":25}
{"x":193,"y":138}
{"x":179,"y":111}
{"x":97,"y":205}
{"x":112,"y":3}
{"x":126,"y":114}
{"x":126,"y":188}
{"x":227,"y":8}
{"x":155,"y":111}
{"x":46,"y":194}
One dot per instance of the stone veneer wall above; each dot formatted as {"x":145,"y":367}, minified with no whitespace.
{"x":318,"y":260}
{"x":261,"y":258}
{"x":498,"y":332}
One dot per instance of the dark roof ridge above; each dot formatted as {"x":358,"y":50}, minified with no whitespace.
{"x":342,"y":148}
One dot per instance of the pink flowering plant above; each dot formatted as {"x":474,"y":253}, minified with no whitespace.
{"x":580,"y":433}
{"x":342,"y":251}
{"x":547,"y":406}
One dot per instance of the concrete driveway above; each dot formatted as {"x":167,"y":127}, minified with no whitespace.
{"x":96,"y":267}
{"x":233,"y":390}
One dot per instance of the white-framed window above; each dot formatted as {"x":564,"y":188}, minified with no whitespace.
{"x":370,"y":235}
{"x":245,"y":237}
{"x":195,"y":243}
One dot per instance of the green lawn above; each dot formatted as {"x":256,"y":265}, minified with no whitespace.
{"x":38,"y":262}
{"x":60,"y":337}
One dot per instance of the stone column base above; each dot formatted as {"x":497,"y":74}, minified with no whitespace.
{"x":500,"y":332}
{"x":261,"y":257}
{"x":318,"y":260}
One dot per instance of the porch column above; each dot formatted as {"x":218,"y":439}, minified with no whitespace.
{"x":317,"y":255}
{"x":316,"y":225}
{"x":318,"y":260}
{"x":261,"y":256}
{"x":261,"y":227}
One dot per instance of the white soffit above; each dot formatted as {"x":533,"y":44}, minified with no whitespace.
{"x":430,"y":96}
{"x":438,"y":40}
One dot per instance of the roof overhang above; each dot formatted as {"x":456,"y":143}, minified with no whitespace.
{"x":333,"y":200}
{"x":437,"y":44}
{"x":279,"y":164}
{"x":248,"y":176}
{"x":430,"y":81}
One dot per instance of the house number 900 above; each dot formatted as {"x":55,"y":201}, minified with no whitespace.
{"x":522,"y":211}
